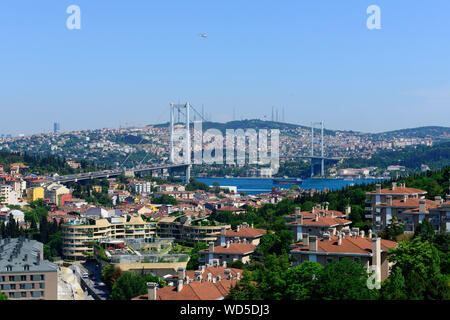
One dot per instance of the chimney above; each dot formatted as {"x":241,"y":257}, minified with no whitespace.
{"x":299,"y":219}
{"x":228,"y":274}
{"x":151,"y":290}
{"x":376,"y":257}
{"x":211,"y":247}
{"x":238,"y":228}
{"x":181,"y":273}
{"x":209,"y":277}
{"x":180,"y":285}
{"x":313,"y":243}
{"x":438,"y":200}
{"x":222,"y":236}
{"x":252,"y":226}
{"x":339,"y":240}
{"x":348,"y":210}
{"x":219,"y":278}
{"x":238,"y":275}
{"x":305,"y":239}
{"x":198,"y":275}
{"x":227,"y":245}
{"x":394,"y":185}
{"x":369,"y":235}
{"x":297,"y":211}
{"x":224,"y":264}
{"x":362,"y":233}
{"x":316,"y":217}
{"x":422,"y":206}
{"x":378,"y":188}
{"x":389,"y":201}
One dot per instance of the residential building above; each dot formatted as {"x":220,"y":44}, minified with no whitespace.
{"x":185,"y":229}
{"x":317,"y":223}
{"x":207,"y":283}
{"x":34,"y":194}
{"x":231,"y":251}
{"x":243,"y":232}
{"x":78,"y":235}
{"x":375,"y":198}
{"x":352,"y":245}
{"x":24,"y":274}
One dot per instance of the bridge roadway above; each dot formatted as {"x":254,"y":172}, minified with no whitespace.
{"x":112,"y":173}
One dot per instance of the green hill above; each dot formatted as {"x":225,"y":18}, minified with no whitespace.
{"x":413,"y":157}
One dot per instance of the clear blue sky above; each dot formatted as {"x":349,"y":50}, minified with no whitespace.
{"x":315,"y":58}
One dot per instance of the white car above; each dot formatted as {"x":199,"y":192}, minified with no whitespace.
{"x":85,"y":275}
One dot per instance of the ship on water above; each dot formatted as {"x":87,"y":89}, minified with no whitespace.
{"x":296,"y":181}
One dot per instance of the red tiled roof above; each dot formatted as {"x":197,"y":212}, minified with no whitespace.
{"x":246,"y":232}
{"x":323,"y":221}
{"x":400,"y":190}
{"x":215,"y":271}
{"x":410,"y":202}
{"x":197,"y":290}
{"x":352,"y":245}
{"x":240,"y":248}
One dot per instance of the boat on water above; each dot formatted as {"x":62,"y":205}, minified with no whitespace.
{"x":297,"y":181}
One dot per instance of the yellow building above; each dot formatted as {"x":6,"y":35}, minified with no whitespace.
{"x":34,"y":194}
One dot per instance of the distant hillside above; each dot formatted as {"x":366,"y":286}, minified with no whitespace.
{"x":434,"y":132}
{"x":435,"y":157}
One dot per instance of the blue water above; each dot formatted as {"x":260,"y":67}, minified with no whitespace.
{"x":256,"y":186}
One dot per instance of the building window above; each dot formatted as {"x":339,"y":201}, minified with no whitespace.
{"x":23,"y":278}
{"x":8,"y":268}
{"x":26,"y":267}
{"x":11,"y":278}
{"x":23,"y":294}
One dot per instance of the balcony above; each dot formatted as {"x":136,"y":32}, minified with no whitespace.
{"x":368,"y":208}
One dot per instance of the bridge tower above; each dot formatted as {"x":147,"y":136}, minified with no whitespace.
{"x":322,"y":157}
{"x":187,"y":159}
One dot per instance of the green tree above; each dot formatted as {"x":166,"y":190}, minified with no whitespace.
{"x":128,"y":286}
{"x":3,"y":296}
{"x":393,"y":288}
{"x":343,"y":280}
{"x":393,"y":229}
{"x":110,"y":274}
{"x":419,"y":263}
{"x":425,"y":231}
{"x":301,"y":280}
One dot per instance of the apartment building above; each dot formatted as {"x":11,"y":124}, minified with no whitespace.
{"x":141,"y":187}
{"x":54,"y":192}
{"x":24,"y":274}
{"x":442,"y":210}
{"x":317,"y":223}
{"x":78,"y":236}
{"x":379,"y":196}
{"x":231,"y":251}
{"x":410,"y":211}
{"x":5,"y":193}
{"x":243,"y":232}
{"x":34,"y":194}
{"x":184,"y":229}
{"x":354,"y":246}
{"x":169,"y":188}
